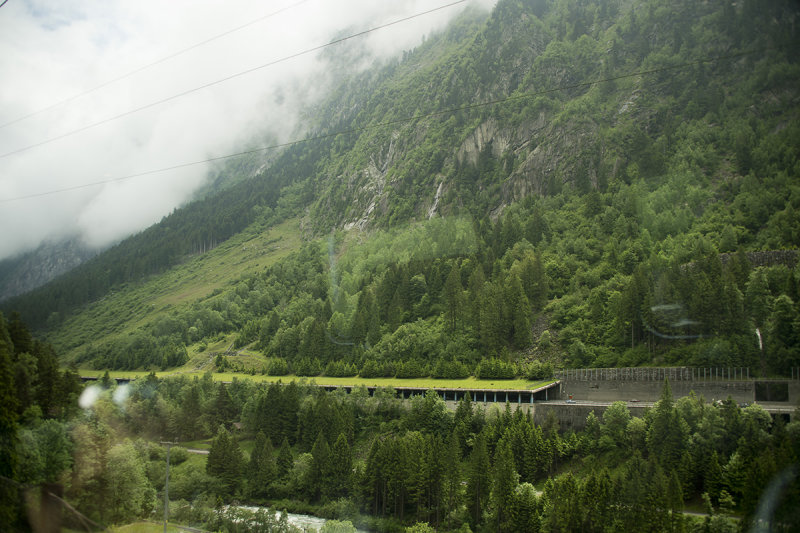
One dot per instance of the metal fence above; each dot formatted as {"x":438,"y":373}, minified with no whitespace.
{"x":655,"y":374}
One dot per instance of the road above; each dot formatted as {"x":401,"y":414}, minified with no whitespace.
{"x":588,"y":403}
{"x":197,"y":451}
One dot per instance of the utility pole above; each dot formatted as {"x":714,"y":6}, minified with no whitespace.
{"x":166,"y":485}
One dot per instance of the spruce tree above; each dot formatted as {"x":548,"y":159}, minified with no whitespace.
{"x":224,"y":410}
{"x":340,"y":465}
{"x":47,"y":378}
{"x":452,"y":474}
{"x":261,"y":470}
{"x":21,"y":339}
{"x":462,"y":420}
{"x":666,"y":437}
{"x":758,"y":298}
{"x":504,"y":483}
{"x":435,"y":467}
{"x":285,"y":461}
{"x":225,"y":462}
{"x":478,"y":482}
{"x":319,"y":475}
{"x":475,"y":291}
{"x":675,"y":499}
{"x":452,"y":298}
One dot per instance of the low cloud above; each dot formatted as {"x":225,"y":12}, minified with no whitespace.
{"x":54,"y":50}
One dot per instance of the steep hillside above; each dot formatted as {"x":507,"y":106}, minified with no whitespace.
{"x":24,"y":273}
{"x":578,"y":95}
{"x":553,"y":183}
{"x":120,"y":317}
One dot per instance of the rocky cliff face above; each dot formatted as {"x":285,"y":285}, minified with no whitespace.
{"x":33,"y":269}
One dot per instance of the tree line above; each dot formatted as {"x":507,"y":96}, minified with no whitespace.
{"x":386,"y":463}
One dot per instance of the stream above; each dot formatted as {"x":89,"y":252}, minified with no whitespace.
{"x":305,"y":522}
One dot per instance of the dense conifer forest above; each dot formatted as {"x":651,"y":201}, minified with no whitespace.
{"x":378,"y":461}
{"x":554,"y":184}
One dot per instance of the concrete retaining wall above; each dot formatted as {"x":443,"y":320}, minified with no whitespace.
{"x":650,"y":391}
{"x":741,"y":391}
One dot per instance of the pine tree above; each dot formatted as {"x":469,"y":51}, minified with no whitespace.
{"x":462,"y":420}
{"x":758,"y":298}
{"x":712,"y":476}
{"x":666,"y":437}
{"x":47,"y":378}
{"x":492,"y":325}
{"x":536,"y":461}
{"x":319,"y":480}
{"x":675,"y":499}
{"x":21,"y":339}
{"x":478,"y":482}
{"x":522,"y":323}
{"x":476,"y":294}
{"x":540,"y":286}
{"x":314,"y":343}
{"x":223,"y":410}
{"x":285,"y":461}
{"x":366,"y":325}
{"x":783,"y":336}
{"x":739,"y":266}
{"x":261,"y":470}
{"x":190,"y":408}
{"x":504,"y":483}
{"x":435,"y":467}
{"x":452,"y":474}
{"x":452,"y":298}
{"x":340,"y":468}
{"x":373,"y":479}
{"x":732,"y":320}
{"x":524,"y":515}
{"x":563,"y":511}
{"x":225,"y":462}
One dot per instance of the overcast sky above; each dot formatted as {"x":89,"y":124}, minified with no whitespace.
{"x":51,"y":51}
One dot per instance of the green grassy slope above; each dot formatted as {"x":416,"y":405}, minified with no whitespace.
{"x":416,"y":383}
{"x":123,"y":311}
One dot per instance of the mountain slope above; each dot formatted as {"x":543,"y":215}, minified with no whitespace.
{"x":33,"y":269}
{"x":578,"y":156}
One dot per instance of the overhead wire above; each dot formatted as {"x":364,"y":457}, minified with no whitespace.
{"x":401,"y":120}
{"x":149,"y":65}
{"x":228,"y":78}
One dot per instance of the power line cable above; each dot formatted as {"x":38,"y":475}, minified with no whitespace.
{"x":147,"y":66}
{"x":228,"y":78}
{"x":4,"y":3}
{"x":411,"y":118}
